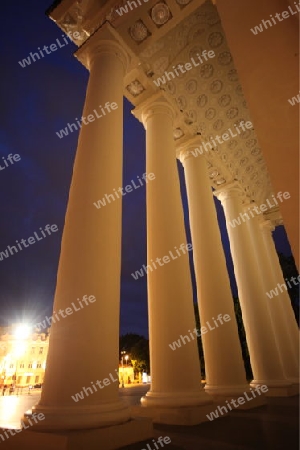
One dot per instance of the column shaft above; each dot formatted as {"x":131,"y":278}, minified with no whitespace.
{"x":171,"y":313}
{"x":285,"y":302}
{"x":84,"y":346}
{"x":274,"y":305}
{"x":264,"y":356}
{"x":225,"y":372}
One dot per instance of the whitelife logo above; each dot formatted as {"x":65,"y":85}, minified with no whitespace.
{"x":124,"y":9}
{"x":240,"y":401}
{"x":88,"y":390}
{"x":128,"y":188}
{"x":35,"y":417}
{"x":203,"y":330}
{"x":294,"y":100}
{"x":31,"y":240}
{"x":10,"y":160}
{"x":274,"y":292}
{"x":33,"y":57}
{"x":213,"y":142}
{"x":166,"y":259}
{"x":267,"y":23}
{"x":90,"y":118}
{"x":259,"y":210}
{"x":187,"y":66}
{"x":161,"y":441}
{"x":68,"y":311}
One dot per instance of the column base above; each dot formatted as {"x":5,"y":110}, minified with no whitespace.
{"x":184,"y":408}
{"x":108,"y":438}
{"x":225,"y":391}
{"x":175,"y":399}
{"x":282,"y":392}
{"x":77,"y":418}
{"x":277,"y":388}
{"x":221,"y":394}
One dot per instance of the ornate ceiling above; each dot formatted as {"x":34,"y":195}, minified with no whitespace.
{"x":209,"y":100}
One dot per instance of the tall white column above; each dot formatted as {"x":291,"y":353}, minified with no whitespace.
{"x":224,"y":367}
{"x":264,"y":355}
{"x":285,"y":302}
{"x":279,"y":325}
{"x":176,"y":379}
{"x":84,"y":347}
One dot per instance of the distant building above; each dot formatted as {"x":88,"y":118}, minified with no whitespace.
{"x":23,"y":355}
{"x":126,"y":374}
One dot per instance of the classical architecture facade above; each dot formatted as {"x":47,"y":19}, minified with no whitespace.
{"x":214,"y":95}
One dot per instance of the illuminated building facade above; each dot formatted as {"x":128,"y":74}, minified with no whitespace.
{"x":23,"y":356}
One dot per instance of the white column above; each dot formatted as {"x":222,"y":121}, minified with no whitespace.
{"x":176,"y":379}
{"x":224,"y":367}
{"x":285,"y":302}
{"x":279,"y":325}
{"x":84,"y":347}
{"x":264,"y":356}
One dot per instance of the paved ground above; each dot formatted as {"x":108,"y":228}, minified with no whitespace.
{"x":13,"y":406}
{"x":270,"y":427}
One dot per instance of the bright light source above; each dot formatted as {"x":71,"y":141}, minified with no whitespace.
{"x":22,"y":331}
{"x":19,"y":349}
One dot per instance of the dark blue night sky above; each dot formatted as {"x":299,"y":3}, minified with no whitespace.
{"x":37,"y":101}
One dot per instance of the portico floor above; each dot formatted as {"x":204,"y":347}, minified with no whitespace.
{"x":274,"y":426}
{"x":271,"y":427}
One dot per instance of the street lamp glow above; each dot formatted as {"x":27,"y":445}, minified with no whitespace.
{"x":22,"y":332}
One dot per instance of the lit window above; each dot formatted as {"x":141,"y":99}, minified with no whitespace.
{"x":39,"y":365}
{"x":30,"y":366}
{"x":22,"y":366}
